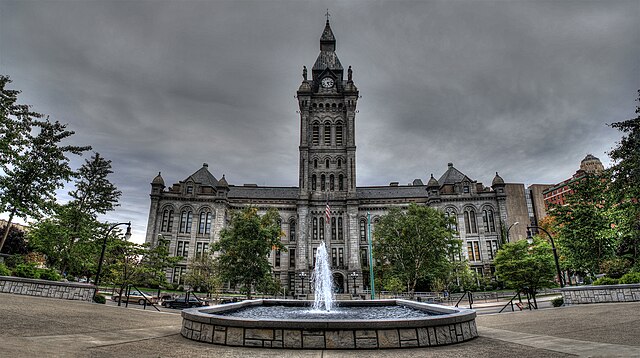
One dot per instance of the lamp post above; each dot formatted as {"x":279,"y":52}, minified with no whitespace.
{"x":354,"y":276}
{"x":511,"y":226}
{"x":553,"y":246}
{"x":302,"y":276}
{"x":127,"y":235}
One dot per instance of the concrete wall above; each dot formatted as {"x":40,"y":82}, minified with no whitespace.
{"x":44,"y":288}
{"x":601,"y":294}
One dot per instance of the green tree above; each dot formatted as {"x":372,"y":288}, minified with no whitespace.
{"x":15,"y":123}
{"x":526,"y":267}
{"x":202,"y":275}
{"x":625,"y":186}
{"x":16,"y":243}
{"x":27,"y":188}
{"x":585,"y":237}
{"x":150,"y":271}
{"x":243,"y":248}
{"x":414,"y":245}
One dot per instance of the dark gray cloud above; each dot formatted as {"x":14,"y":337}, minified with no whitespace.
{"x":524,"y":88}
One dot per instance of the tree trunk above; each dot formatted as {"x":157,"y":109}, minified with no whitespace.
{"x":7,"y":228}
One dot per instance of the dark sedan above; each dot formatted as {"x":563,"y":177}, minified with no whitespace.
{"x":181,"y":302}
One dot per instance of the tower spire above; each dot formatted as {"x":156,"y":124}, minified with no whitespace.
{"x":327,"y":15}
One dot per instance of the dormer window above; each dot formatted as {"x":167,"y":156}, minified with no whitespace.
{"x":190,"y":189}
{"x":465,"y":189}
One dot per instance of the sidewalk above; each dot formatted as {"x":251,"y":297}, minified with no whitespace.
{"x":32,"y":326}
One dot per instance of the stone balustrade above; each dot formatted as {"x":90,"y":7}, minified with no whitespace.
{"x":44,"y":288}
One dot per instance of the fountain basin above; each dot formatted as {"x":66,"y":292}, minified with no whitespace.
{"x":217,"y":325}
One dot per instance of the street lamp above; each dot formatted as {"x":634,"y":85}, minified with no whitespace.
{"x":510,"y":226}
{"x":553,"y":246}
{"x":354,"y":276}
{"x":302,"y":276}
{"x":127,"y":235}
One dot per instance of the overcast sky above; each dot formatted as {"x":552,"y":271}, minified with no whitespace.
{"x":525,"y":88}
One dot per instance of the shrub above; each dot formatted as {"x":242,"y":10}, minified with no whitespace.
{"x":27,"y":270}
{"x":615,"y":268}
{"x":631,"y":277}
{"x":49,"y":274}
{"x":14,"y":260}
{"x":99,"y":298}
{"x":557,"y":302}
{"x":605,"y":281}
{"x":4,"y":270}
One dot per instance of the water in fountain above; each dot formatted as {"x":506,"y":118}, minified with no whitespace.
{"x":323,"y":280}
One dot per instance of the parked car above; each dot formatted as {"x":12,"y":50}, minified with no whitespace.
{"x":135,"y":297}
{"x":181,"y":302}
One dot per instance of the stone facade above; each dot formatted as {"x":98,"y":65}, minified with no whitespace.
{"x":44,"y":288}
{"x":191,"y":213}
{"x":601,"y":294}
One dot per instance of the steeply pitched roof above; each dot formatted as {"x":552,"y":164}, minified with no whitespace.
{"x":255,"y":192}
{"x":452,"y":176}
{"x":327,"y":57}
{"x":204,"y":177}
{"x":389,"y":192}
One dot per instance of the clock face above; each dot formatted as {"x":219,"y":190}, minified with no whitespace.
{"x":327,"y":82}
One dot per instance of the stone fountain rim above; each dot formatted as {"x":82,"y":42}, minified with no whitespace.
{"x":208,"y":315}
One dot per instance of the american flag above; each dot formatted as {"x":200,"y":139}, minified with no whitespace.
{"x":327,"y":212}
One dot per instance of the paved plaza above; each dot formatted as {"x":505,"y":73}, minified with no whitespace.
{"x":32,"y":326}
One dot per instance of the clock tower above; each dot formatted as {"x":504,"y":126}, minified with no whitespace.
{"x":327,"y":104}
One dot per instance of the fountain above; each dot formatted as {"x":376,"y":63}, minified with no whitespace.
{"x":323,"y":298}
{"x":327,"y":324}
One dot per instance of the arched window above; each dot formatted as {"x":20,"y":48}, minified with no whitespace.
{"x":331,"y":182}
{"x":204,"y":222}
{"x":470,"y":221}
{"x":340,"y":182}
{"x":333,"y":105}
{"x":339,"y":134}
{"x":292,"y":230}
{"x":167,"y":220}
{"x":321,"y":228}
{"x":327,"y":133}
{"x":186,"y":217}
{"x":326,"y":163}
{"x":363,"y":230}
{"x":315,"y":228}
{"x":492,"y":224}
{"x":207,"y":227}
{"x":340,"y":229}
{"x":451,"y":214}
{"x":313,"y":182}
{"x":321,"y":105}
{"x":322,"y":183}
{"x":315,"y":129}
{"x":485,"y":220}
{"x":339,"y":163}
{"x":315,"y":163}
{"x":333,"y":229}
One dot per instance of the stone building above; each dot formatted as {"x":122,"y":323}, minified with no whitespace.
{"x":192,"y":212}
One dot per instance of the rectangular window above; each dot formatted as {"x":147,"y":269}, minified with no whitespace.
{"x":292,"y":258}
{"x":277,"y":261}
{"x":315,"y":228}
{"x":363,"y":230}
{"x":334,"y":257}
{"x":201,"y":248}
{"x":201,"y":222}
{"x":327,"y":134}
{"x":492,"y":248}
{"x":473,"y":250}
{"x":315,"y":251}
{"x":333,"y":229}
{"x":292,"y":281}
{"x":364,"y":257}
{"x":183,"y":249}
{"x":341,"y":257}
{"x":316,"y":135}
{"x":340,"y":229}
{"x":178,"y":273}
{"x":189,"y":190}
{"x":339,"y":135}
{"x":207,"y":228}
{"x":321,"y":220}
{"x":292,"y":231}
